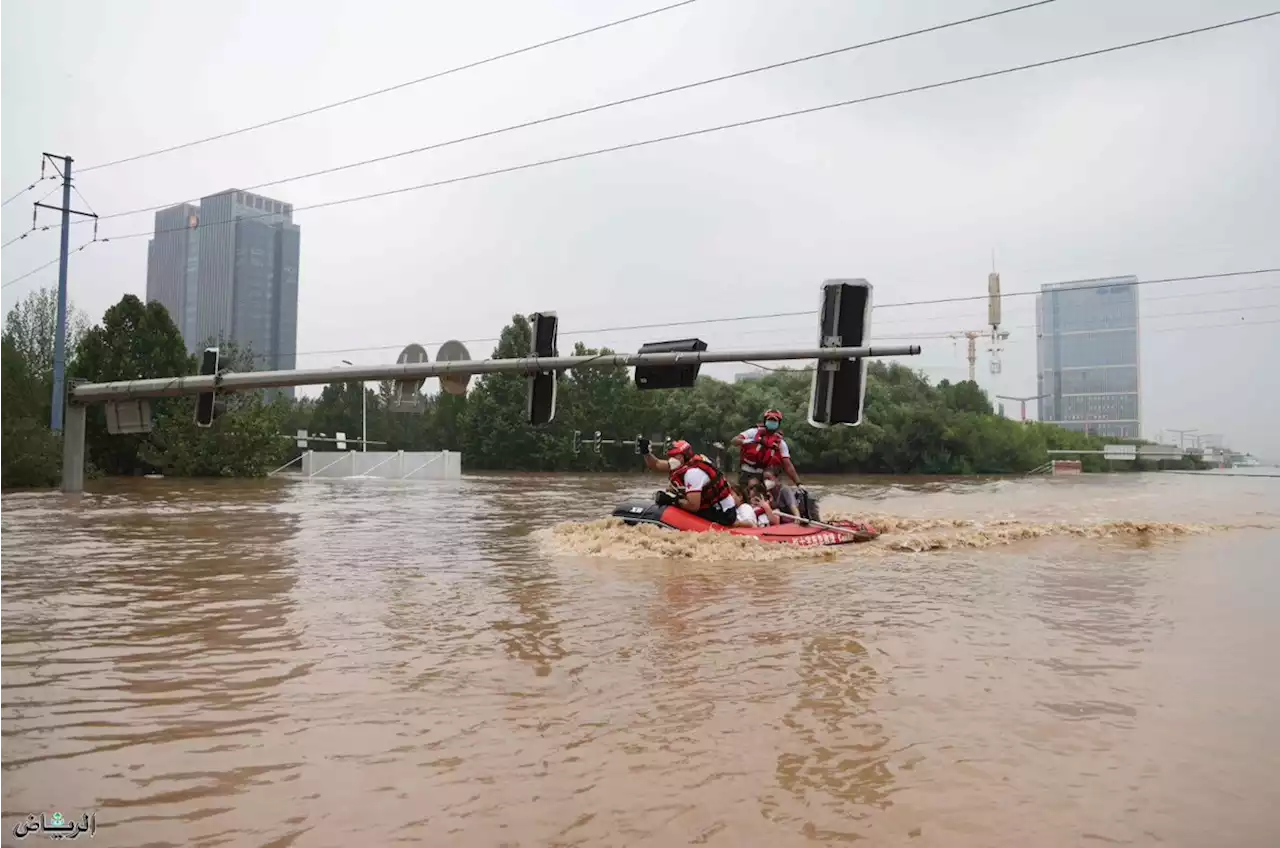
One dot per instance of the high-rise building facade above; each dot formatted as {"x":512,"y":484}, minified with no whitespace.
{"x":1087,"y":357}
{"x":236,"y":278}
{"x":173,"y":261}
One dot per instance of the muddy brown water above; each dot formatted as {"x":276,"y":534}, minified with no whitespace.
{"x":1072,"y":661}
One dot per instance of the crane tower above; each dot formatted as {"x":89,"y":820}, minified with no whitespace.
{"x":993,"y":318}
{"x":995,"y":336}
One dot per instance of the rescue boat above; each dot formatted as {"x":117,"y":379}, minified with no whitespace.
{"x":635,"y":512}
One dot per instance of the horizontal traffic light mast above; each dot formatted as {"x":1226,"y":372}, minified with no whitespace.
{"x":838,"y":389}
{"x":532,"y":365}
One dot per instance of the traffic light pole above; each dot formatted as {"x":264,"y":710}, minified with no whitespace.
{"x":73,"y":448}
{"x":177,"y":386}
{"x":836,"y":396}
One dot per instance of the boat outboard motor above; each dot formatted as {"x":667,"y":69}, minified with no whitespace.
{"x":808,"y":505}
{"x":639,"y":512}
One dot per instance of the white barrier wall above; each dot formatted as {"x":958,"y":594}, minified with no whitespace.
{"x":386,"y":465}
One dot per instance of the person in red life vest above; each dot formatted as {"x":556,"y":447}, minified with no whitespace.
{"x":697,"y":486}
{"x":762,"y":447}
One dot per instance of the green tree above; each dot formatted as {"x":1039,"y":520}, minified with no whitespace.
{"x":246,"y":439}
{"x":31,"y":327}
{"x":494,"y":428}
{"x":908,"y":427}
{"x":135,"y":341}
{"x":338,"y":410}
{"x":32,"y":453}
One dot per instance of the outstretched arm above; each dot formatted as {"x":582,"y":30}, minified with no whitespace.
{"x":791,"y":470}
{"x":650,"y":461}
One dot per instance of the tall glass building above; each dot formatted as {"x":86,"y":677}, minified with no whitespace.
{"x":229,"y":270}
{"x":173,"y":259}
{"x":1087,"y":356}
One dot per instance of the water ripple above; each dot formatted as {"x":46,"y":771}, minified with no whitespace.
{"x":336,"y":663}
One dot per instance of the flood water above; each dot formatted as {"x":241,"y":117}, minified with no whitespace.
{"x":1031,"y":662}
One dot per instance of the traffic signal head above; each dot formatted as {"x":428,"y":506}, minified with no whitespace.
{"x":206,"y":409}
{"x":542,"y":386}
{"x":840,"y":385}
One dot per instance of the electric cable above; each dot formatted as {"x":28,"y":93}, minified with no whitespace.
{"x":52,"y":261}
{"x":721,"y":127}
{"x":1145,"y":332}
{"x":387,"y":89}
{"x":607,"y":105}
{"x":811,"y":312}
{"x":15,"y":196}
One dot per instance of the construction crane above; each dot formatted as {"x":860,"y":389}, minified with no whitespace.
{"x":994,"y":335}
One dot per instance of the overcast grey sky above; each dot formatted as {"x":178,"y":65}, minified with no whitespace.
{"x":1158,"y":161}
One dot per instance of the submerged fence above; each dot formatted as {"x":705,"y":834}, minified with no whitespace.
{"x":383,"y":465}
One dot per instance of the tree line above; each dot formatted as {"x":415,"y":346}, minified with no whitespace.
{"x":909,"y":426}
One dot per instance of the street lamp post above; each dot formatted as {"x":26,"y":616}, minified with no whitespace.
{"x":364,"y":418}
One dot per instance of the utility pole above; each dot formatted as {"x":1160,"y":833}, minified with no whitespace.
{"x":60,"y":337}
{"x":1023,"y":400}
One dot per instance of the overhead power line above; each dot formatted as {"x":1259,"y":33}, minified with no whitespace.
{"x":810,"y":312}
{"x":599,"y":107}
{"x":390,"y":88}
{"x":734,"y":125}
{"x":19,"y":238}
{"x":16,"y":195}
{"x":944,"y":334}
{"x":930,"y":302}
{"x":1231,"y":324}
{"x":720,"y":127}
{"x":52,"y":261}
{"x":876,"y":337}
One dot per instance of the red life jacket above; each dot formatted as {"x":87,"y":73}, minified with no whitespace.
{"x":717,"y":488}
{"x":765,"y":451}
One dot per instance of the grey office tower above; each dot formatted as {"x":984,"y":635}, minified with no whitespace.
{"x":240,"y":278}
{"x":1088,"y":356}
{"x":173,"y":258}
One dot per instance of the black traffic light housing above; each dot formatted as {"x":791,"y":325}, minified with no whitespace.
{"x":206,"y":408}
{"x":542,"y":385}
{"x":669,"y":376}
{"x":839,"y":386}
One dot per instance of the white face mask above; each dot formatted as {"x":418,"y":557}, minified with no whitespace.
{"x":675,"y":462}
{"x":770,"y":484}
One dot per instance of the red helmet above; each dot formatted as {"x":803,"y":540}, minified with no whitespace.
{"x":680,"y":448}
{"x":774,"y":415}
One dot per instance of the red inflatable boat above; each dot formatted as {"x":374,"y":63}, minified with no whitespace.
{"x":789,"y":532}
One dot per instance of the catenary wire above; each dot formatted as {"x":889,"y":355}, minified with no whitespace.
{"x":706,"y":130}
{"x":721,"y":127}
{"x":1157,"y":330}
{"x":388,"y":89}
{"x":1144,"y":332}
{"x":607,"y":105}
{"x":50,"y":262}
{"x":768,"y":315}
{"x":20,"y":238}
{"x":15,"y":196}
